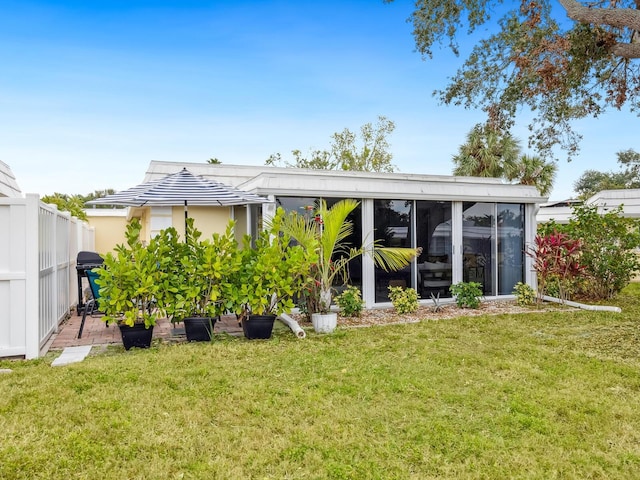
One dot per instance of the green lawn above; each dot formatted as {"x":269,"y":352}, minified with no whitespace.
{"x":539,"y":395}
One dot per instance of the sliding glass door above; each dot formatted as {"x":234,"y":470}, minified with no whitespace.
{"x":493,"y":246}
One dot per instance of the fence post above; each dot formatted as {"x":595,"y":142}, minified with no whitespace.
{"x":32,"y":282}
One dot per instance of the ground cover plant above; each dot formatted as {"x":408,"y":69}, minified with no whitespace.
{"x":536,"y":395}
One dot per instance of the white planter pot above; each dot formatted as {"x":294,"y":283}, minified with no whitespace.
{"x":324,"y":322}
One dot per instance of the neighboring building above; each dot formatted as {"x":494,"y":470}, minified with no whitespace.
{"x":8,"y":184}
{"x":469,"y":228}
{"x":606,"y":200}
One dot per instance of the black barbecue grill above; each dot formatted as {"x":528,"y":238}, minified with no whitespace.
{"x":85,"y":261}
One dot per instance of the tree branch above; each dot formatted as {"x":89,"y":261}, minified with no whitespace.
{"x":614,"y":17}
{"x":626,"y":50}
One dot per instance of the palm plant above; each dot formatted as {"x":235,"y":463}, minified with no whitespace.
{"x":325,"y":232}
{"x":533,"y":170}
{"x":486,"y":153}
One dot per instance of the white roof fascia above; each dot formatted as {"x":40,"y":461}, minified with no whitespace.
{"x":232,"y":175}
{"x":106,"y":212}
{"x":610,"y":199}
{"x":557,"y":214}
{"x":267,"y":180}
{"x":388,"y":186}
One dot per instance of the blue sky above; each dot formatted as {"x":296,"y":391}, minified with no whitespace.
{"x":91,"y":91}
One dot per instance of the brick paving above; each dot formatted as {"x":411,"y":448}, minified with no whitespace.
{"x":96,"y":333}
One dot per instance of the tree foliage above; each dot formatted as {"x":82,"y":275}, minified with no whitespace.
{"x":594,"y":181}
{"x":491,"y":153}
{"x":533,"y":57}
{"x":75,"y":204}
{"x":368,"y":152}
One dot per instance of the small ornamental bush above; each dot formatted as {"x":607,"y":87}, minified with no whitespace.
{"x":467,"y":294}
{"x":350,"y":302}
{"x":405,"y":300}
{"x":525,"y":295}
{"x":557,"y":261}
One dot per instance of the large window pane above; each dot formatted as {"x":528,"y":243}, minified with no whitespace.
{"x":478,"y":240}
{"x":392,"y":224}
{"x":300,"y":204}
{"x":433,"y":234}
{"x":510,"y":246}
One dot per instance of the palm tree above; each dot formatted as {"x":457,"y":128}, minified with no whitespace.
{"x":533,"y":170}
{"x":490,"y":153}
{"x":486,"y":153}
{"x":325,"y":232}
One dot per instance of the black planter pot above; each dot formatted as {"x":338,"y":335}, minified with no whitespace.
{"x":258,"y":326}
{"x":199,"y":329}
{"x":136,"y":336}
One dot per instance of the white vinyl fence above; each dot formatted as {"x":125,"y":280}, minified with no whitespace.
{"x":38,"y":280}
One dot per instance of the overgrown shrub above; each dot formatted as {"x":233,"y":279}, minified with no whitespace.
{"x":405,"y":300}
{"x":467,"y":294}
{"x":525,"y":295}
{"x":608,"y":253}
{"x":350,"y":302}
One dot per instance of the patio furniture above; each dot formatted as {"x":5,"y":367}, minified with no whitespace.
{"x":85,"y":261}
{"x":92,"y":305}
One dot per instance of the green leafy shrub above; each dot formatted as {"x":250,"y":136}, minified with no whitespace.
{"x":133,"y":281}
{"x":609,"y":242}
{"x":350,"y":302}
{"x":405,"y":300}
{"x":525,"y":295}
{"x":467,"y":294}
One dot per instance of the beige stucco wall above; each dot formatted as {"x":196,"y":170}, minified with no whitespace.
{"x":208,"y":220}
{"x":110,"y":224}
{"x":109,"y":230}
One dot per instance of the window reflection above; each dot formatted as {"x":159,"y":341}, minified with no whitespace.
{"x":433,"y":234}
{"x":477,"y":244}
{"x":392,"y":224}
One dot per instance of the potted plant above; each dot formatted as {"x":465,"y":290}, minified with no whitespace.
{"x":201,"y":279}
{"x":272,"y":273}
{"x":133,"y":285}
{"x":325,"y":231}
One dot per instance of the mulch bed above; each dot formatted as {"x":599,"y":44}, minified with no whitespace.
{"x":388,"y":316}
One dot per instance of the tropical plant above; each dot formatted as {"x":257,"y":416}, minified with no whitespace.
{"x":133,"y":281}
{"x":323,"y":232}
{"x":272,"y":273}
{"x":202,"y":272}
{"x":350,"y":302}
{"x":485,"y":153}
{"x":532,"y":170}
{"x":525,"y":294}
{"x":405,"y":300}
{"x":557,"y":258}
{"x":467,"y":294}
{"x":488,"y":152}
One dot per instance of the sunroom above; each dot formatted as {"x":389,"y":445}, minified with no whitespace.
{"x":469,"y":229}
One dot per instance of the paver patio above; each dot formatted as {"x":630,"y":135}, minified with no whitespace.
{"x":96,"y":333}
